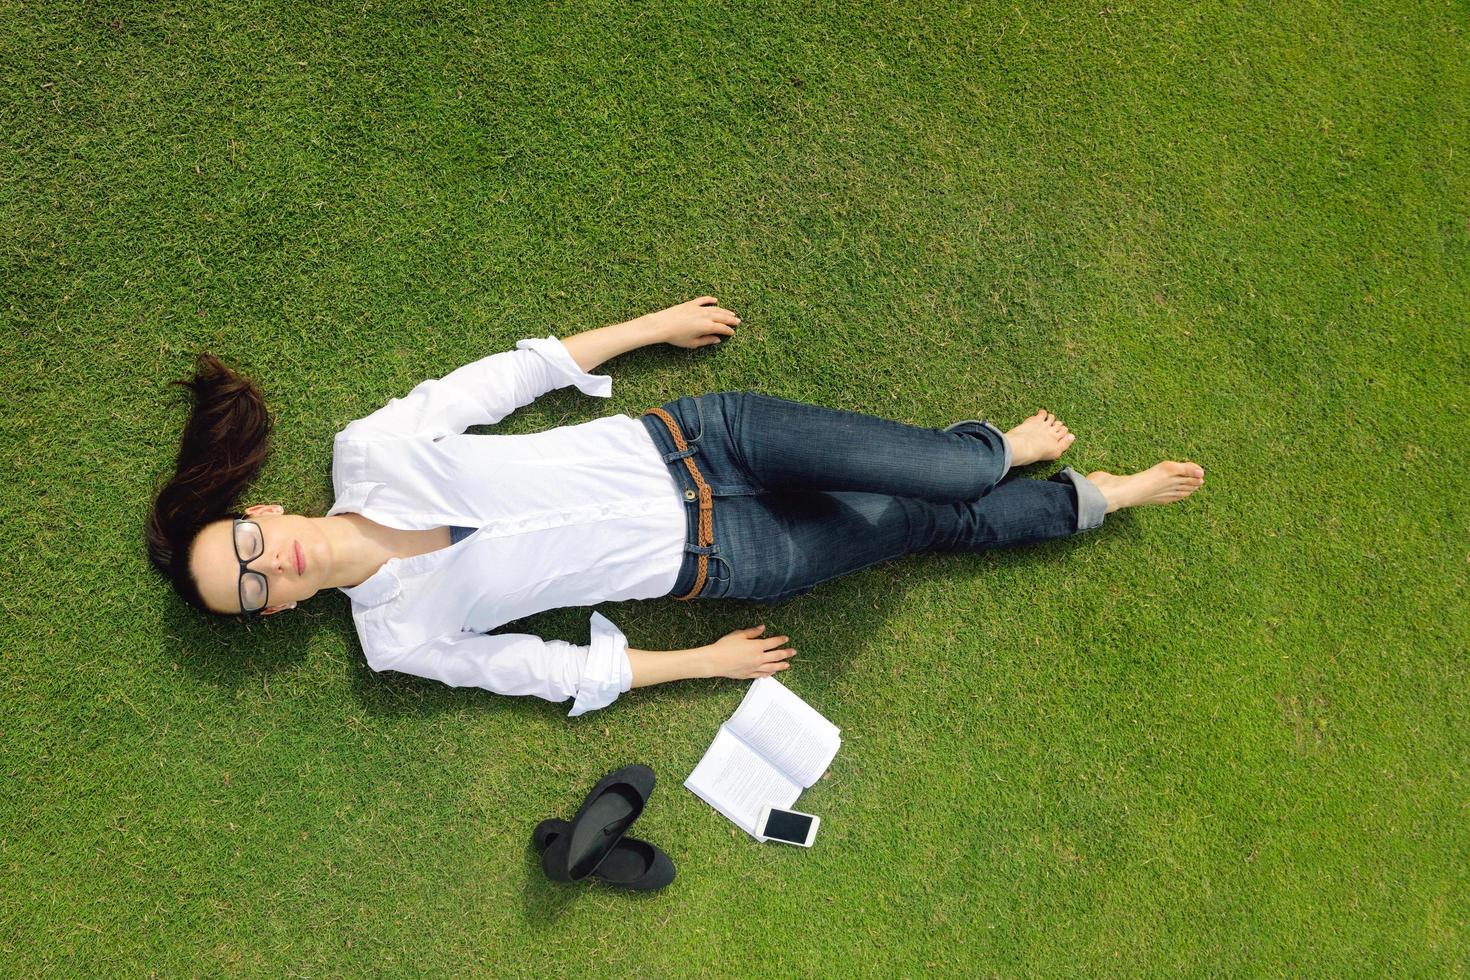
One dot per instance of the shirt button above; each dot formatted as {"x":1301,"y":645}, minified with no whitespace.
{"x":690,"y":495}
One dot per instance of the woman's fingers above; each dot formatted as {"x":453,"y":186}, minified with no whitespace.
{"x":711,"y":307}
{"x":714,"y":334}
{"x":772,"y":642}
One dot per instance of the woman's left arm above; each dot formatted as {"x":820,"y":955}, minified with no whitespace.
{"x":741,"y":654}
{"x":697,"y":323}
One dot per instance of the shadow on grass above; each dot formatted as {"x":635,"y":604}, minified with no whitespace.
{"x":847,"y":619}
{"x":544,"y":901}
{"x":230,"y":651}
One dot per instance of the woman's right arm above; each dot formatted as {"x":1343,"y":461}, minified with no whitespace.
{"x":741,"y":654}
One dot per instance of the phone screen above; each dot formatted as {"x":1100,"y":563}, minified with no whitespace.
{"x":787,"y":826}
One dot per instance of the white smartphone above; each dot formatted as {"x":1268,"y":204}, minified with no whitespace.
{"x":787,"y":826}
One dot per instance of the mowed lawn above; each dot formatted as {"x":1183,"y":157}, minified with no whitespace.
{"x":1228,"y":736}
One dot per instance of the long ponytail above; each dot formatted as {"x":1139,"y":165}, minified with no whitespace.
{"x":225,"y":442}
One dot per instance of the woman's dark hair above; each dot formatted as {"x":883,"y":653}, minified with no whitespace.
{"x":224,"y":444}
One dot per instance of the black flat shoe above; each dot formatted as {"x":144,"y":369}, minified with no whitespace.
{"x":609,"y":810}
{"x":633,"y":864}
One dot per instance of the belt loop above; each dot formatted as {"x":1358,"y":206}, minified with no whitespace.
{"x":706,"y":532}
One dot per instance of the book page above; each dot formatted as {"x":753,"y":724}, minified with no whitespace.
{"x":738,"y":782}
{"x":786,"y":730}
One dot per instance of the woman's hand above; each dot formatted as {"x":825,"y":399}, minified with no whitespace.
{"x":745,"y":653}
{"x":697,"y":323}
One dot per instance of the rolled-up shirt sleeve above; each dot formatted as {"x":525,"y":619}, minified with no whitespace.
{"x":607,"y":671}
{"x":519,"y":663}
{"x":481,"y":393}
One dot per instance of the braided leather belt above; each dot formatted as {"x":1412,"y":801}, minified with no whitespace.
{"x":706,"y":500}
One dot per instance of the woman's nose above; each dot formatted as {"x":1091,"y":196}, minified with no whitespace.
{"x":273,"y":563}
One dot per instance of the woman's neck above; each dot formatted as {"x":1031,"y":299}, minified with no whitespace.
{"x":360,"y":546}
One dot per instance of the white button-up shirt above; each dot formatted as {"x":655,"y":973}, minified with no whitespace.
{"x":574,"y":516}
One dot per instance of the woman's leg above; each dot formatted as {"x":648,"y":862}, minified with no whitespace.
{"x":776,"y":445}
{"x":782,"y":544}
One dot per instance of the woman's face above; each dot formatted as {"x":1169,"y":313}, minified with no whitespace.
{"x":290,"y":542}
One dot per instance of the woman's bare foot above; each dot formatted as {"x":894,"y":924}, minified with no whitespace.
{"x":1042,"y":436}
{"x":1163,"y":483}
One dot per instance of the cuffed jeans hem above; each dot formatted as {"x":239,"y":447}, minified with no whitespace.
{"x":1092,"y":506}
{"x":1004,"y":442}
{"x":1006,"y":462}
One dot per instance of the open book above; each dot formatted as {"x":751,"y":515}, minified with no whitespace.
{"x":774,"y":746}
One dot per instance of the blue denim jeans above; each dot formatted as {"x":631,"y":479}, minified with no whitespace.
{"x":803,"y":494}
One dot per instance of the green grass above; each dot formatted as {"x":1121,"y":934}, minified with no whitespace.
{"x":1230,"y":736}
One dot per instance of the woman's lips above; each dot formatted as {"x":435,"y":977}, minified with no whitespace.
{"x":300,"y":559}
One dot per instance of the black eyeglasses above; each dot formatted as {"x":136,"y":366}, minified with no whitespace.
{"x":250,"y":545}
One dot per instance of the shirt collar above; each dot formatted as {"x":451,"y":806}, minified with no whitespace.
{"x":374,"y":590}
